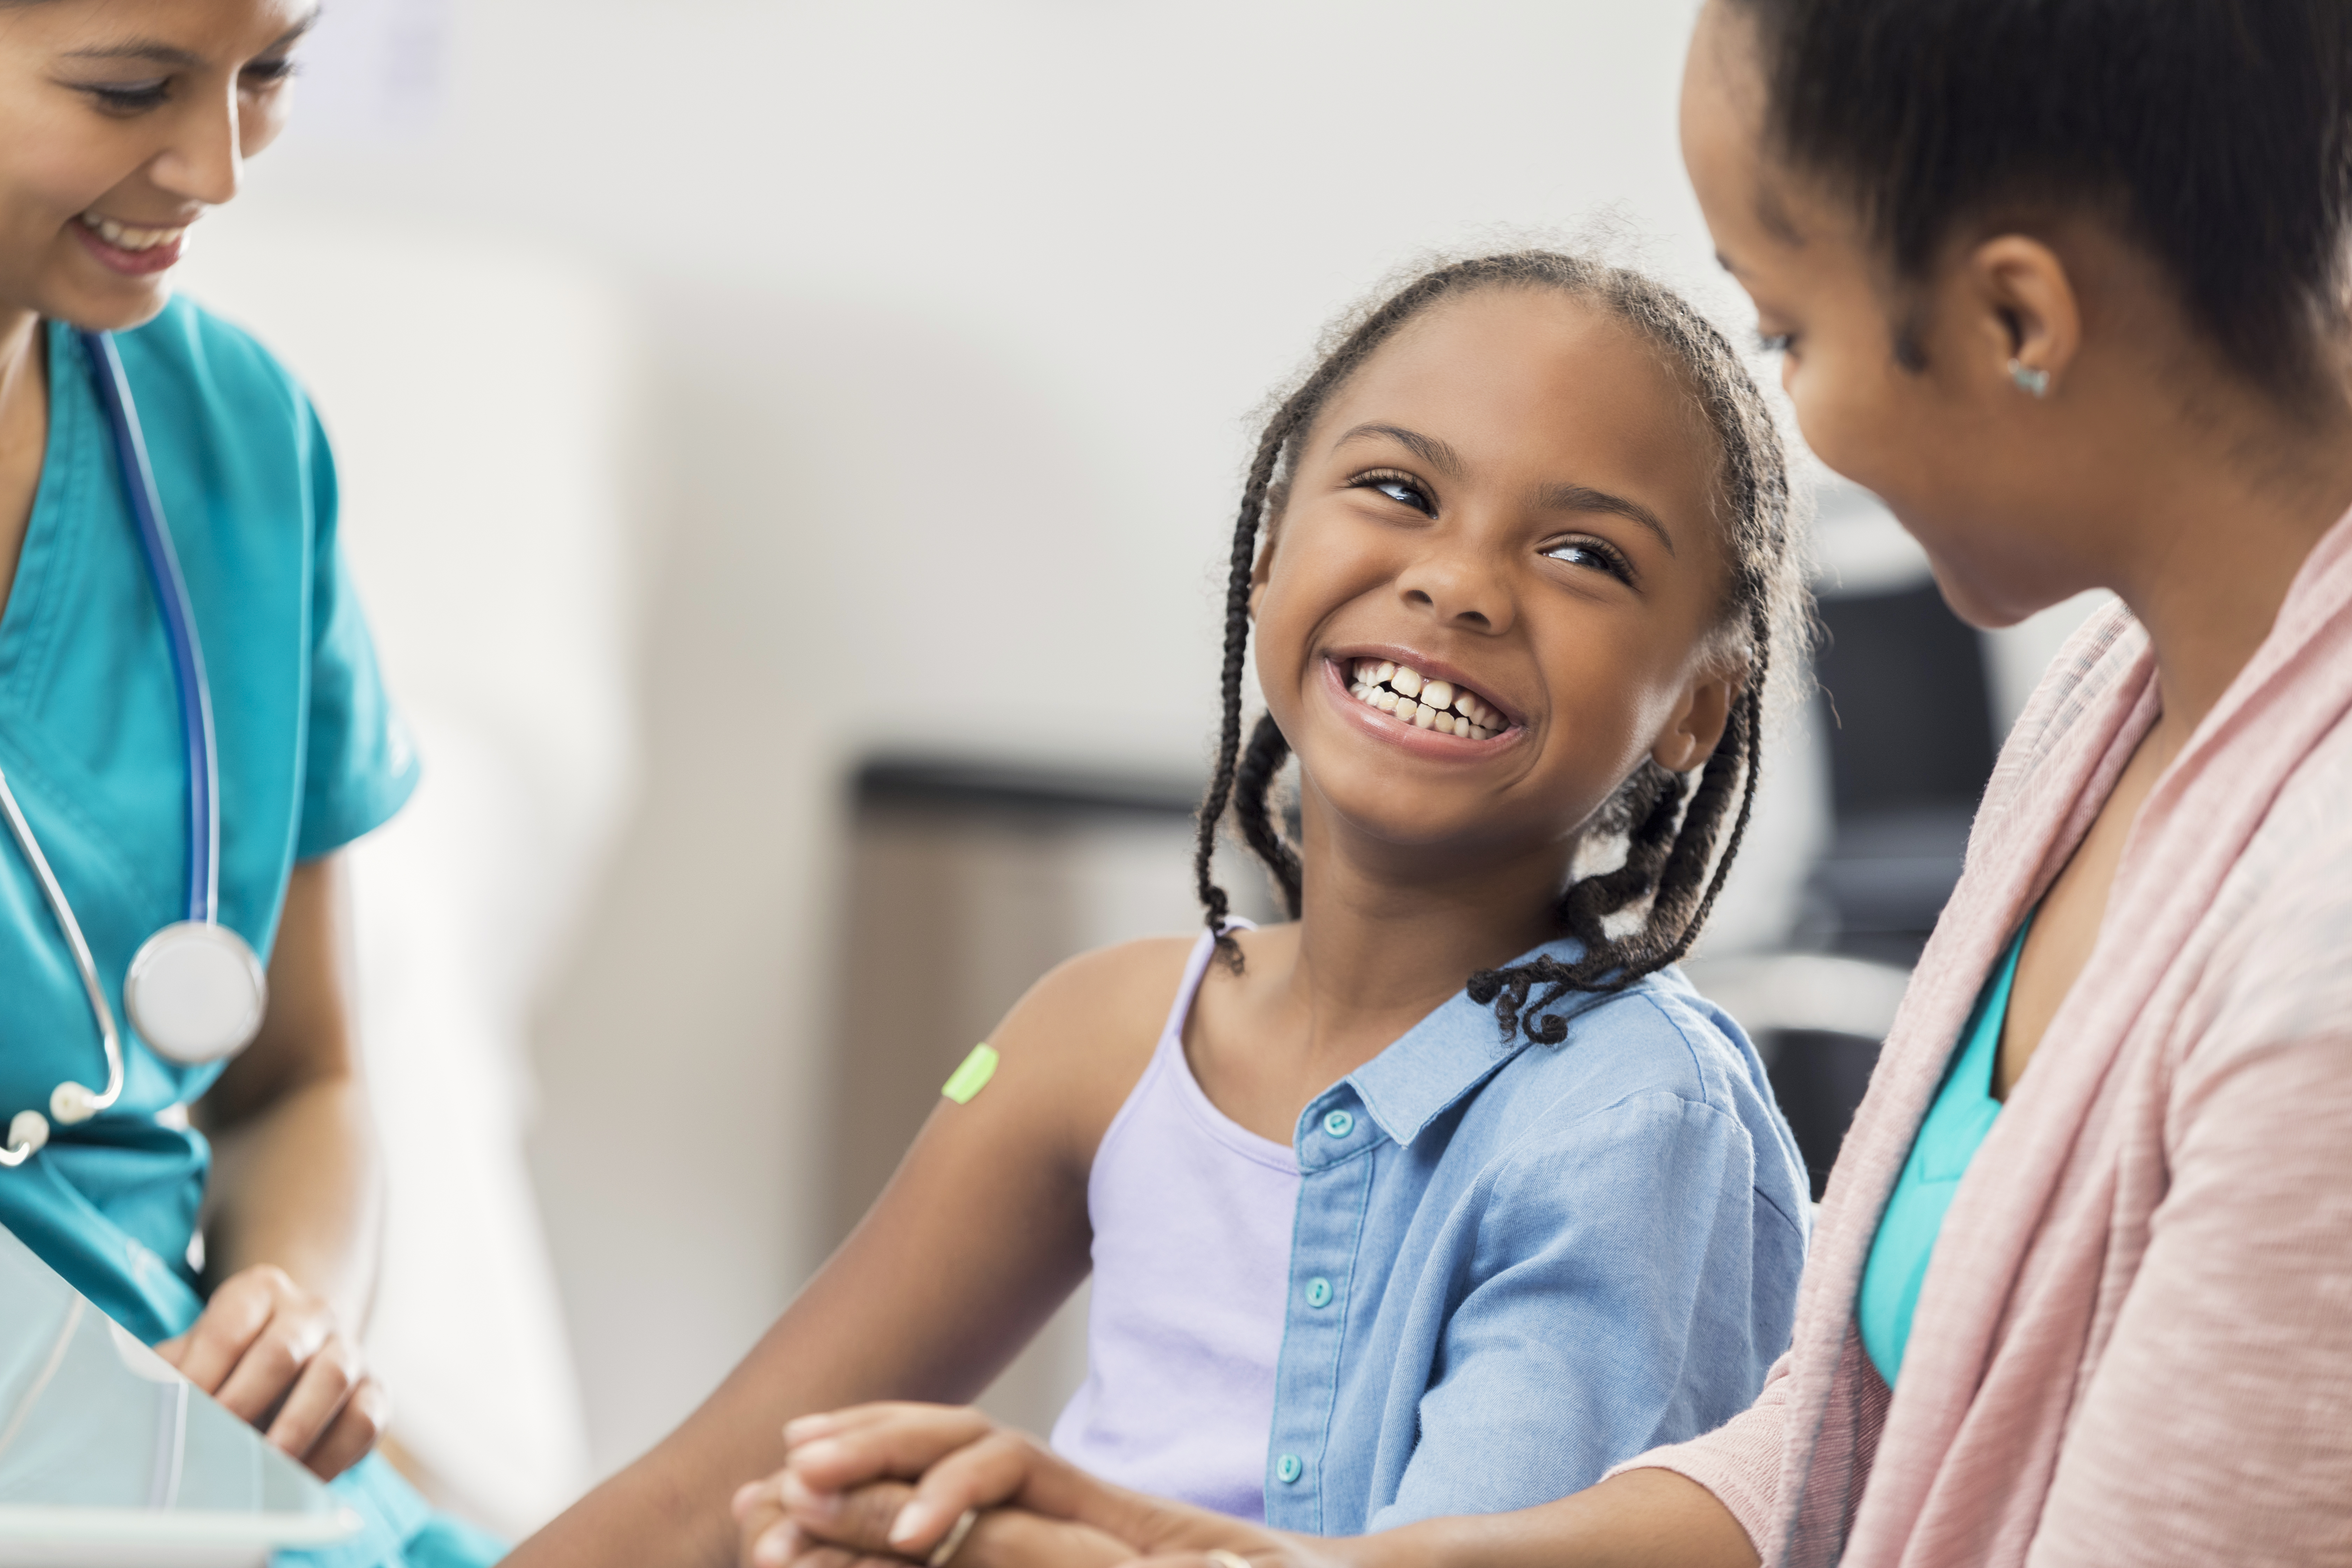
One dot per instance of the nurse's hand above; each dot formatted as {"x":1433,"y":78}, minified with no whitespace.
{"x":275,"y":1354}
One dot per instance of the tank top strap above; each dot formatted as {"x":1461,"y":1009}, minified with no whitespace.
{"x":1196,"y":969}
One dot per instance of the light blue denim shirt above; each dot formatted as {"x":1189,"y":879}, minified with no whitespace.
{"x":1515,"y":1265}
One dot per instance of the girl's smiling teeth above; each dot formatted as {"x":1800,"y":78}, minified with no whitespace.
{"x":1399,"y":689}
{"x":124,"y":237}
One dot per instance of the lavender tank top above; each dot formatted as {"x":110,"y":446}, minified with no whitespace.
{"x":1192,"y":1218}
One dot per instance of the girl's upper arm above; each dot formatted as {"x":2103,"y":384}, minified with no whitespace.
{"x":983,"y":1231}
{"x":978,"y":1236}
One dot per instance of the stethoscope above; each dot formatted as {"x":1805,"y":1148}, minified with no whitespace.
{"x":194,"y":990}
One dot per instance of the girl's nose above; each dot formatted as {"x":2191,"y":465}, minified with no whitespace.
{"x":1458,"y":585}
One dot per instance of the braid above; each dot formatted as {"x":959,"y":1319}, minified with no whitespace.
{"x":1260,"y":765}
{"x":1678,"y":852}
{"x":1229,"y":730}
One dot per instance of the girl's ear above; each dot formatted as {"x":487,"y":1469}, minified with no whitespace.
{"x":1691,"y":736}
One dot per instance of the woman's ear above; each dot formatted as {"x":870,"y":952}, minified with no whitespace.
{"x":2031,"y":317}
{"x":1697,"y":728}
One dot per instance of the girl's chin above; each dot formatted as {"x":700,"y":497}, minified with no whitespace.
{"x":1369,"y":802}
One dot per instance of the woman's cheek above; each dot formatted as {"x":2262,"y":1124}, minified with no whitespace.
{"x":1836,"y":418}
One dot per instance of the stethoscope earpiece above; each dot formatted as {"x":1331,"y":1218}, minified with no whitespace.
{"x":29,"y":1133}
{"x":71,"y":1104}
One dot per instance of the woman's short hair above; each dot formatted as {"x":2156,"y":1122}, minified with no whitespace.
{"x":2214,"y":134}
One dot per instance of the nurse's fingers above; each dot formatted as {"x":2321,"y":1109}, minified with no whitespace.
{"x":321,"y":1389}
{"x":868,"y":1442}
{"x":267,"y":1375}
{"x":236,"y":1316}
{"x":353,"y":1433}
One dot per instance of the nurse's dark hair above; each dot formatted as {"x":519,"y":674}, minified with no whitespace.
{"x":1678,"y":835}
{"x":2215,"y":135}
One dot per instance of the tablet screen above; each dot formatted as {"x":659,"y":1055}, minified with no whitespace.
{"x":95,"y":1426}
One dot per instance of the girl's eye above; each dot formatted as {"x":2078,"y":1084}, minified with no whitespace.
{"x":1399,"y":487}
{"x":1774,"y":342}
{"x":1593,"y":556}
{"x":129,"y":97}
{"x":269,"y":73}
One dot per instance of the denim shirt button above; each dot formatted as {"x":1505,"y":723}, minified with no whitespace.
{"x":1287,"y":1468}
{"x":1318,"y":1292}
{"x":1338,"y":1124}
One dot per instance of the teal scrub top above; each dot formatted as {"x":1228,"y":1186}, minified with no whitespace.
{"x":311,"y":755}
{"x":1955,"y":1129}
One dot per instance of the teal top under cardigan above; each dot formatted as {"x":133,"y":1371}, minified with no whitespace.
{"x":1956,"y":1127}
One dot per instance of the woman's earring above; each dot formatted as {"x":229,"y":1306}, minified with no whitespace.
{"x":2029,"y":380}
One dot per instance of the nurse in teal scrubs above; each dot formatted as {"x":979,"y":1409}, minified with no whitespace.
{"x":226,"y":1213}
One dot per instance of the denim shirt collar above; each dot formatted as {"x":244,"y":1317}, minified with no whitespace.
{"x":1428,"y":1069}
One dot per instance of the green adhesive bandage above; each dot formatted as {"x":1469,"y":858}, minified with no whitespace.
{"x":973,"y":1077}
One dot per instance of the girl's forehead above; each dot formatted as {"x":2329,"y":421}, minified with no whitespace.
{"x":1521,"y":373}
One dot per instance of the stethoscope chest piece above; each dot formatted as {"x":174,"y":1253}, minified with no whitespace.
{"x":195,"y":993}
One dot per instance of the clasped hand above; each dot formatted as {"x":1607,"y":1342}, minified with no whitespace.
{"x":885,"y":1484}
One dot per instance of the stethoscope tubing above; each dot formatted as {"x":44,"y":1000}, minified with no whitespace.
{"x":179,"y":624}
{"x":109,"y":1036}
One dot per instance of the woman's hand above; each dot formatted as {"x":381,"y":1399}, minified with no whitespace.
{"x":843,"y":1500}
{"x":274,"y":1354}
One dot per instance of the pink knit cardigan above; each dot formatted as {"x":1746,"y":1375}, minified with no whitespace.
{"x":2134,"y":1341}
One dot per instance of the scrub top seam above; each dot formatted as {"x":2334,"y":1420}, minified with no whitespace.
{"x":47,"y":548}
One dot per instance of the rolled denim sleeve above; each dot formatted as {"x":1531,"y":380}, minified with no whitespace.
{"x":1629,"y":1287}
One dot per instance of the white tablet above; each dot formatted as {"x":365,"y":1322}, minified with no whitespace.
{"x":109,"y":1458}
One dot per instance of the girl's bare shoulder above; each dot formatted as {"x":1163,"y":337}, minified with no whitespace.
{"x":1090,"y":1024}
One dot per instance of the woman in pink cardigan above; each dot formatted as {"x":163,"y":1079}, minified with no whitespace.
{"x":2064,"y":282}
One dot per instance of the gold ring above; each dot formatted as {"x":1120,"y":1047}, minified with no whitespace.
{"x":1225,"y":1559}
{"x":954,"y":1543}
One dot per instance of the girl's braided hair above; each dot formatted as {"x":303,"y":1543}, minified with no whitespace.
{"x":1671,"y":872}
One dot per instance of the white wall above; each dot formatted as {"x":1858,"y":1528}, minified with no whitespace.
{"x":951,"y":314}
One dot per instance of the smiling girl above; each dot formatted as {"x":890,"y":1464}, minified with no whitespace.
{"x":1449,"y":1192}
{"x":2065,"y":283}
